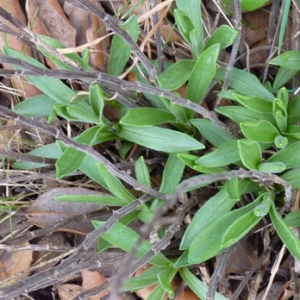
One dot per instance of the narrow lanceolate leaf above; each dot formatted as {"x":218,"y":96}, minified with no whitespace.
{"x":159,"y":139}
{"x":250,"y":153}
{"x":215,"y":135}
{"x":289,"y":60}
{"x":213,"y":209}
{"x":192,"y":9}
{"x":223,"y":35}
{"x":222,"y":232}
{"x":197,"y":286}
{"x":169,"y":79}
{"x":126,"y":239}
{"x":43,"y":105}
{"x":97,"y":102}
{"x":142,"y":172}
{"x":203,"y":74}
{"x":147,"y":116}
{"x":71,"y":159}
{"x":114,"y":185}
{"x":290,"y":156}
{"x":285,"y":233}
{"x":52,"y":87}
{"x":120,"y":51}
{"x":241,"y":114}
{"x":261,"y":131}
{"x":226,"y":154}
{"x":245,"y":83}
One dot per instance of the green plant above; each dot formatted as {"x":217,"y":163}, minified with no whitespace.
{"x":267,"y":117}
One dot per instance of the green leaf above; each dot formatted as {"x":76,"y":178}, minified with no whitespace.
{"x":149,"y":277}
{"x":172,"y":174}
{"x":241,"y":114}
{"x":82,"y":112}
{"x":165,"y":279}
{"x":105,"y":199}
{"x":280,"y":141}
{"x":202,"y":74}
{"x":197,"y":286}
{"x":250,"y":153}
{"x":226,"y":154}
{"x":184,"y":24}
{"x":57,"y":44}
{"x":43,"y":105}
{"x":190,"y":160}
{"x":120,"y":51}
{"x":254,"y":103}
{"x":293,"y":111}
{"x":283,"y":24}
{"x":245,"y":83}
{"x":157,"y":294}
{"x":114,"y":185}
{"x":48,"y":151}
{"x":71,"y":159}
{"x":220,"y":233}
{"x":223,"y":35}
{"x":233,"y":188}
{"x":242,"y":225}
{"x":212,"y":210}
{"x":52,"y":87}
{"x":292,"y":177}
{"x":288,"y":59}
{"x":280,"y":114}
{"x":195,"y":43}
{"x":97,"y":101}
{"x":192,"y":9}
{"x":143,"y":116}
{"x":290,"y":156}
{"x":159,"y":139}
{"x":90,"y":168}
{"x":287,"y":236}
{"x":125,"y":238}
{"x":142,"y":172}
{"x":275,"y":167}
{"x":292,"y":219}
{"x":282,"y":77}
{"x":212,"y":133}
{"x":169,"y":79}
{"x":69,"y":162}
{"x":261,"y":131}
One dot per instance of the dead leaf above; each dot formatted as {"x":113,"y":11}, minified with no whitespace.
{"x":58,"y":239}
{"x":56,"y":22}
{"x":46,"y":211}
{"x":89,"y":28}
{"x":242,"y":258}
{"x":24,"y":88}
{"x":12,"y":263}
{"x":69,"y":291}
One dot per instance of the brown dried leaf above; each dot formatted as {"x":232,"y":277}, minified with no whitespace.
{"x":243,"y":258}
{"x":12,"y":263}
{"x":91,"y":279}
{"x":89,"y":28}
{"x":56,"y":22}
{"x":58,"y":239}
{"x":69,"y":291}
{"x":25,"y":89}
{"x":46,"y":211}
{"x":256,"y":26}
